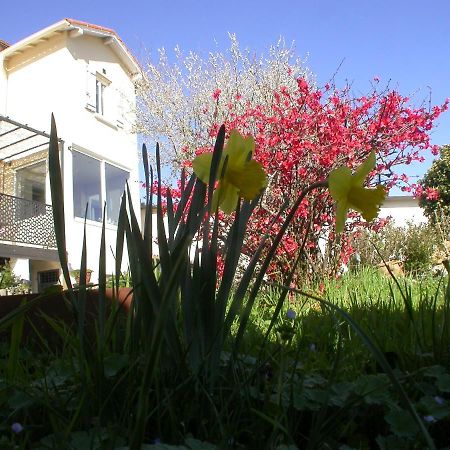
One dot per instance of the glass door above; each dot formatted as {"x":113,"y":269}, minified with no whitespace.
{"x":30,"y":186}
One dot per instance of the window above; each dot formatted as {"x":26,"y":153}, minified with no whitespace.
{"x":47,"y":278}
{"x":100,"y":97}
{"x":30,"y":186}
{"x":115,"y":180}
{"x":90,"y":187}
{"x":86,"y":187}
{"x":30,"y":182}
{"x":104,"y":98}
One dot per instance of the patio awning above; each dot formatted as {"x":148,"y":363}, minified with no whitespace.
{"x":17,"y":139}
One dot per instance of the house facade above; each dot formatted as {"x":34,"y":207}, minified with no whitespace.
{"x":84,"y":75}
{"x":402,"y":209}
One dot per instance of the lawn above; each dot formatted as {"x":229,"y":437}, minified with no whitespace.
{"x":312,"y":382}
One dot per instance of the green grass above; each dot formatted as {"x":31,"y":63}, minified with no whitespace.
{"x":313,"y":384}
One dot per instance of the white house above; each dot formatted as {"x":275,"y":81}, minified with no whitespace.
{"x":402,"y":209}
{"x":83,"y":74}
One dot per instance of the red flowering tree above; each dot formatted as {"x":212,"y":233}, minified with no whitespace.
{"x":301,"y":131}
{"x":306,"y":133}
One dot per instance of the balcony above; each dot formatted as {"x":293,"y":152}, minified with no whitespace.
{"x":26,"y":222}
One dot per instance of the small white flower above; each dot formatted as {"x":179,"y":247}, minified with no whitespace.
{"x":291,"y":314}
{"x":439,"y":400}
{"x":429,"y":419}
{"x":16,"y":427}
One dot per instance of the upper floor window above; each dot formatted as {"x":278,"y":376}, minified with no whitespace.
{"x":105,"y":98}
{"x":100,"y":97}
{"x":99,"y":94}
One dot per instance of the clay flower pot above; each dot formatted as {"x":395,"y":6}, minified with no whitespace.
{"x":57,"y":306}
{"x":76,"y":275}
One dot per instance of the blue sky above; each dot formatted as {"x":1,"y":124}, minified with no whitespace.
{"x":406,"y":42}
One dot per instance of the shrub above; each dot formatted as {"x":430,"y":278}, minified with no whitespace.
{"x":434,"y":189}
{"x":7,"y":278}
{"x":413,"y":244}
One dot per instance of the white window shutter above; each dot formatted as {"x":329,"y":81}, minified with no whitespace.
{"x":90,"y":90}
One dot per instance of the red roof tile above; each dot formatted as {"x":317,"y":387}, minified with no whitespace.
{"x":3,"y":45}
{"x":90,"y":25}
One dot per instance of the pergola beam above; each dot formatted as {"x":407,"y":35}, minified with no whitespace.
{"x":16,"y":138}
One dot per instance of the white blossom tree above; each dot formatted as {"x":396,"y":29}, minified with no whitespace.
{"x":180,"y":102}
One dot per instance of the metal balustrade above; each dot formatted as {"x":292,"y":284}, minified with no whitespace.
{"x":26,"y":222}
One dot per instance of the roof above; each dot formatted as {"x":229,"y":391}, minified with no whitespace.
{"x":3,"y":45}
{"x":77,"y":28}
{"x":91,"y":25}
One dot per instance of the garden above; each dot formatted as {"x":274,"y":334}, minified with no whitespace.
{"x":265,"y":322}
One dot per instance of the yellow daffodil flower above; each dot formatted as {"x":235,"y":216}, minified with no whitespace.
{"x":243,"y":177}
{"x":348,"y":191}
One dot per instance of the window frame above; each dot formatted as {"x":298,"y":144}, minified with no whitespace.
{"x":103,"y":161}
{"x":101,"y":193}
{"x":99,"y":97}
{"x":17,"y":171}
{"x":101,"y":93}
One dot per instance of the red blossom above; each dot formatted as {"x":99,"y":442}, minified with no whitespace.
{"x":306,"y":133}
{"x":431,"y":194}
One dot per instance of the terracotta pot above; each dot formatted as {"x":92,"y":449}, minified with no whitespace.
{"x":88,"y":277}
{"x":57,"y":306}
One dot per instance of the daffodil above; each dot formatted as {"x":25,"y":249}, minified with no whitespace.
{"x":348,"y":191}
{"x":239,"y":177}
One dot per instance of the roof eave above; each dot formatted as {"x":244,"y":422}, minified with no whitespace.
{"x":34,"y":38}
{"x":68,"y":25}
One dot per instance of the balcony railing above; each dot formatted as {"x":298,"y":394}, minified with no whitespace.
{"x":26,"y":222}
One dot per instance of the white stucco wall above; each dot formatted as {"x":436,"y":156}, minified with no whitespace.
{"x":402,"y":209}
{"x":2,"y":87}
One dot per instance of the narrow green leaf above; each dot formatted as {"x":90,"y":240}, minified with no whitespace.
{"x":102,"y":281}
{"x":185,"y":195}
{"x":215,"y":162}
{"x":161,"y":233}
{"x":12,"y":364}
{"x":57,"y":194}
{"x":148,"y":171}
{"x":120,"y":239}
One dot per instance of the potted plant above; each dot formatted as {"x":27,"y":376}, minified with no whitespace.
{"x":76,"y":274}
{"x":8,"y":281}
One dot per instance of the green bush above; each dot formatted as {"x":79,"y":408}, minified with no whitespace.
{"x":7,"y":278}
{"x":125,"y":280}
{"x":413,"y":244}
{"x":419,"y":245}
{"x":437,"y":178}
